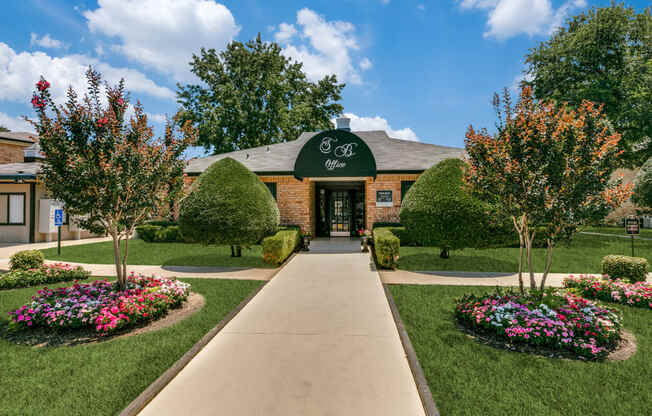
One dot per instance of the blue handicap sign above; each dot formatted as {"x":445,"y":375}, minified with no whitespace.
{"x":58,"y":217}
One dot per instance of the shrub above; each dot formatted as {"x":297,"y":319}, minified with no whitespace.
{"x":26,"y":259}
{"x":631,"y":294}
{"x":386,"y":247}
{"x":170,"y":234}
{"x":278,"y":247}
{"x":557,"y":321}
{"x":147,"y":232}
{"x":100,"y":305}
{"x":230,"y":206}
{"x":632,"y":268}
{"x":51,"y":273}
{"x":439,"y":211}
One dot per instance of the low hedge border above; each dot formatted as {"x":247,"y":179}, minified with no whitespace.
{"x":386,"y":247}
{"x":623,"y":267}
{"x":281,"y":245}
{"x":47,"y":273}
{"x":153,"y":233}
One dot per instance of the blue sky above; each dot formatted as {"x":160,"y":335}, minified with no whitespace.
{"x":423,"y":70}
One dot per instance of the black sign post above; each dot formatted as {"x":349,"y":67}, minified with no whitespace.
{"x":632,"y":227}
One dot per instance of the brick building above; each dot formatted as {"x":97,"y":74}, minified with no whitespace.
{"x":336,"y":182}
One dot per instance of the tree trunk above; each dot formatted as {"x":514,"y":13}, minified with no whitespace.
{"x":238,"y":251}
{"x":521,"y":244}
{"x":116,"y":258}
{"x":444,"y":253}
{"x":124,"y":259}
{"x":232,"y":251}
{"x":528,"y":247}
{"x":550,"y":250}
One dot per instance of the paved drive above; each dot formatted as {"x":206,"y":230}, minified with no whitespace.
{"x":319,"y":339}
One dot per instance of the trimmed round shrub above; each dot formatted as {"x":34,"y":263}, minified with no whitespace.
{"x":439,"y":211}
{"x":25,"y":260}
{"x":643,"y":185}
{"x":624,"y":267}
{"x":231,"y":206}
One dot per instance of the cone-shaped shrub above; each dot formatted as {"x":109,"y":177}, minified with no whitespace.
{"x":438,"y":210}
{"x":230,"y":206}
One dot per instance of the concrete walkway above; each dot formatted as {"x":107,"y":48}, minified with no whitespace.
{"x":471,"y":278}
{"x":7,"y":249}
{"x":319,"y":339}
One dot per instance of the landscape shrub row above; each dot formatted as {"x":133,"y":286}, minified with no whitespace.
{"x":623,"y":267}
{"x":557,"y":321}
{"x":386,"y":247}
{"x":100,"y":305}
{"x":281,"y":245}
{"x":152,"y":233}
{"x":631,"y":294}
{"x":52,"y":273}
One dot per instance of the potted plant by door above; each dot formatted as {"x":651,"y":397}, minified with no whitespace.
{"x":364,"y":236}
{"x":306,"y":239}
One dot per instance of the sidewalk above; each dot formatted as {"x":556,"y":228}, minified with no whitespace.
{"x":7,"y":249}
{"x":319,"y":339}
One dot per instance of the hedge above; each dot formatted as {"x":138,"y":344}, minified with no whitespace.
{"x":278,"y":247}
{"x":25,"y":260}
{"x":632,"y":268}
{"x":45,"y":274}
{"x":386,"y":247}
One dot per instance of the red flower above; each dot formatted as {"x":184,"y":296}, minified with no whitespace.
{"x":37,"y":102}
{"x":42,"y":85}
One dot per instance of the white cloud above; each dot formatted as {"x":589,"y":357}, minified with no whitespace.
{"x":324,"y":47}
{"x":365,"y":64}
{"x":157,"y":117}
{"x":163,"y":34}
{"x":45,"y":42}
{"x":20,"y":71}
{"x":508,"y":18}
{"x":378,"y":123}
{"x":15,"y":123}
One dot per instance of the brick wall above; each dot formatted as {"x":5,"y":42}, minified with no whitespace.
{"x":296,"y":200}
{"x":385,"y":182}
{"x":10,"y":153}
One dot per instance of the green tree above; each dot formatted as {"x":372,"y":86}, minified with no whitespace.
{"x":439,"y":211}
{"x":643,"y":186}
{"x":603,"y":55}
{"x":230,"y":205}
{"x":549,"y":167}
{"x":251,"y":95}
{"x":109,"y":171}
{"x":3,"y":128}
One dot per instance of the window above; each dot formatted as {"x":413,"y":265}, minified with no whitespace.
{"x":12,"y":209}
{"x":405,"y":186}
{"x":272,"y":188}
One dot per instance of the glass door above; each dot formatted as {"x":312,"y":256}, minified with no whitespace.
{"x":340,"y":214}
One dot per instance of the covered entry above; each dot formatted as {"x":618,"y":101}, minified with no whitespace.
{"x":340,"y":208}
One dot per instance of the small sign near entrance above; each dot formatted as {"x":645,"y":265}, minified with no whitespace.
{"x":384,"y":198}
{"x":632,"y":225}
{"x":58,"y":217}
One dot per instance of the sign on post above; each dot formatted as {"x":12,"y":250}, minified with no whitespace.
{"x":632,"y":226}
{"x":384,"y":198}
{"x":58,"y":222}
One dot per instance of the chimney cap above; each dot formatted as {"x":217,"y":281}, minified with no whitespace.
{"x":343,"y":123}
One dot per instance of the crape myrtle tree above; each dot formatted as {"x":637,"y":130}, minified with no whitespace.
{"x":251,"y":95}
{"x":549,"y":166}
{"x":108,"y":171}
{"x":602,"y":55}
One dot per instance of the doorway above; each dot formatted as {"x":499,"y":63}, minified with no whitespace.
{"x":340,"y":209}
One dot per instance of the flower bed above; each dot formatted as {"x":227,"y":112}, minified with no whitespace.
{"x":100,"y":305}
{"x":52,"y":273}
{"x":560,"y":322}
{"x":631,"y":294}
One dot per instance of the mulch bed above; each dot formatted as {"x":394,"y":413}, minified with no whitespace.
{"x":45,"y":337}
{"x":625,"y":349}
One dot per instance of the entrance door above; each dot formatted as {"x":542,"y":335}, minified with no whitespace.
{"x":340,"y":214}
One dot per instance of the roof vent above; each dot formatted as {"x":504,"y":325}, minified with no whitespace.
{"x":343,"y":123}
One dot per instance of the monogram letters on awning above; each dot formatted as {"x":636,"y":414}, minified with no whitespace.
{"x":335,"y":153}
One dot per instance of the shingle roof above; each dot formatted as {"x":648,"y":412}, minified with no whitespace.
{"x":27,"y":170}
{"x":391,"y":154}
{"x":19,"y":136}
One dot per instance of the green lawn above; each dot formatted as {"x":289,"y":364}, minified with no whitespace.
{"x":584,"y":255}
{"x":102,"y":378}
{"x":469,"y":378}
{"x":165,"y":254}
